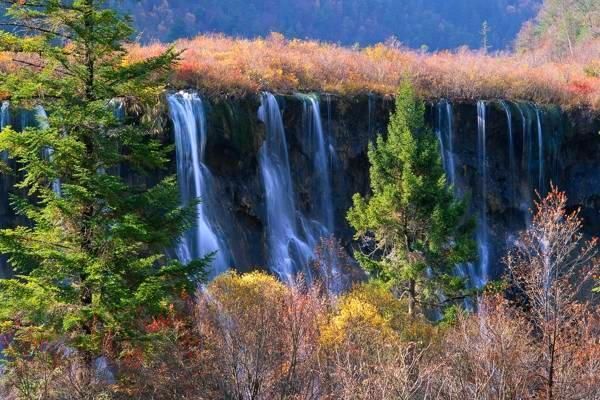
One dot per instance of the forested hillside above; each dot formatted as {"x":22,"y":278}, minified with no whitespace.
{"x":436,"y":24}
{"x":563,"y":29}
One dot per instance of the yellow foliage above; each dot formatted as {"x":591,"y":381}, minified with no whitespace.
{"x":217,"y":64}
{"x":395,"y":312}
{"x":354,"y":320}
{"x":246,"y":290}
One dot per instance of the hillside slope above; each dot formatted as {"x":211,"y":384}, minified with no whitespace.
{"x":563,"y":29}
{"x":436,"y":24}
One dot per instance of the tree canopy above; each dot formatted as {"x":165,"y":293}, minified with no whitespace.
{"x":411,"y":229}
{"x":89,"y":261}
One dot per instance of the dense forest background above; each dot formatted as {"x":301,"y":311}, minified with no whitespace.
{"x":436,"y":24}
{"x":563,"y":28}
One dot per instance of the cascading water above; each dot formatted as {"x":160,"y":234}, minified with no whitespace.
{"x":119,"y":112}
{"x":4,"y":114}
{"x":318,"y":148}
{"x":450,"y":157}
{"x":526,"y":160}
{"x":332,"y":152}
{"x":295,"y":222}
{"x":47,"y":153}
{"x":323,"y":220}
{"x":533,"y":164}
{"x":329,"y":112}
{"x":118,"y":108}
{"x":445,"y":132}
{"x":196,"y":182}
{"x":289,"y":252}
{"x":482,"y":223}
{"x":440,"y":138}
{"x":540,"y":137}
{"x":512,"y":163}
{"x":292,"y":235}
{"x":4,"y":121}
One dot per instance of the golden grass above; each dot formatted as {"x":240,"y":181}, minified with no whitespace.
{"x":217,"y":65}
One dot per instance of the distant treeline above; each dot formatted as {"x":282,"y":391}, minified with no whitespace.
{"x":435,"y":24}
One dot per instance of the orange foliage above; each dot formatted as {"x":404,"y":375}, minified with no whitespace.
{"x":221,"y":65}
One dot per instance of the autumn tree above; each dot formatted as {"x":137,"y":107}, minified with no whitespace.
{"x":411,"y":229}
{"x":488,"y":355}
{"x":553,"y":267}
{"x":260,"y":337}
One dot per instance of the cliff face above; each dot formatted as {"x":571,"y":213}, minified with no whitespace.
{"x":235,"y":136}
{"x":502,"y":187}
{"x":497,"y":165}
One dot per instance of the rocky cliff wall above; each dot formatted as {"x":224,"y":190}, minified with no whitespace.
{"x":570,"y":155}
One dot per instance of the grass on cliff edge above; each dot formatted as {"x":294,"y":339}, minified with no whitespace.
{"x":217,"y":65}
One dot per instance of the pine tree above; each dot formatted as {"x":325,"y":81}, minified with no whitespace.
{"x":485,"y":31}
{"x":90,"y":262}
{"x":412,"y":230}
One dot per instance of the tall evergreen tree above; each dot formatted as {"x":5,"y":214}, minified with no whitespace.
{"x":89,"y":264}
{"x":412,"y":229}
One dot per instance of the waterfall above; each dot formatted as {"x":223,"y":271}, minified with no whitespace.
{"x":332,"y":152}
{"x":4,"y":114}
{"x":48,"y":152}
{"x":196,"y":183}
{"x":445,"y":131}
{"x":119,"y":112}
{"x":512,"y":164}
{"x":289,"y":253}
{"x":323,"y":225}
{"x":319,"y":149}
{"x":450,"y":157}
{"x":292,"y":235}
{"x":526,"y":156}
{"x":438,"y":134}
{"x":482,"y":223}
{"x":445,"y":135}
{"x":533,"y":164}
{"x":540,"y":137}
{"x":118,"y":108}
{"x":329,"y":112}
{"x":4,"y":121}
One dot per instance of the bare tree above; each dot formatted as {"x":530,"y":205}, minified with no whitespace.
{"x":260,"y":337}
{"x":488,"y":356}
{"x":552,"y":266}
